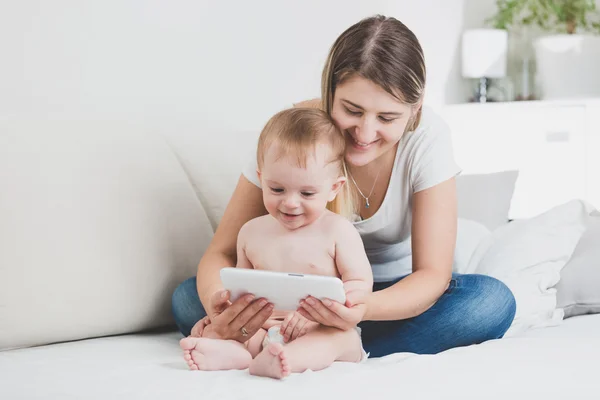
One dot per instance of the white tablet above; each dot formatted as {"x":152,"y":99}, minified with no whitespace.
{"x":284,"y":290}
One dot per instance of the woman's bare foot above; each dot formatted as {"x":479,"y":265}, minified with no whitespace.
{"x":271,"y":362}
{"x":214,"y":354}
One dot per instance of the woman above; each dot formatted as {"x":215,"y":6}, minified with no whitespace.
{"x":400,"y":160}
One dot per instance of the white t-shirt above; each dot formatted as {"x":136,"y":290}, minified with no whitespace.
{"x":424,"y":158}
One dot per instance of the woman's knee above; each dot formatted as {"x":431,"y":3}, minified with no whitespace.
{"x":506,"y":306}
{"x":186,"y":306}
{"x":493,"y":307}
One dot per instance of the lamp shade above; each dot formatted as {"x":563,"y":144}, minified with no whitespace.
{"x":484,"y":53}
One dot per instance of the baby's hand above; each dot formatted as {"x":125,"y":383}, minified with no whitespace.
{"x":295,"y":326}
{"x":198,"y":329}
{"x":356,"y":293}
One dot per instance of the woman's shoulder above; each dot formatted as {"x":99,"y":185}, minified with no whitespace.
{"x":311,"y":103}
{"x":432,"y":125}
{"x":431,"y":132}
{"x":249,"y":169}
{"x":428,"y":152}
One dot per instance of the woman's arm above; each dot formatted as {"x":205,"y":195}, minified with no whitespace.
{"x":434,"y":221}
{"x":245,"y":204}
{"x":226,"y":320}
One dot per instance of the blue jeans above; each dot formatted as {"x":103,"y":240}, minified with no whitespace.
{"x":474,"y":309}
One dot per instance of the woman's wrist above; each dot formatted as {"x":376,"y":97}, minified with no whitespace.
{"x":210,"y":295}
{"x":369,"y":306}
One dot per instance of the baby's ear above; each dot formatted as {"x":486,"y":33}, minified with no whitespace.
{"x":336,"y":187}
{"x":258,"y":173}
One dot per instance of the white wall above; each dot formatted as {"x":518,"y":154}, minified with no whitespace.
{"x":217,"y":65}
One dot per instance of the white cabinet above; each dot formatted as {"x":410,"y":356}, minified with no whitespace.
{"x":593,"y":154}
{"x":554,"y":146}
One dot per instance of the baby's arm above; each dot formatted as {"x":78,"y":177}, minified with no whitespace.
{"x":352,"y":264}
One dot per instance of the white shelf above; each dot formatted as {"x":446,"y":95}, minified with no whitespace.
{"x":555,"y":146}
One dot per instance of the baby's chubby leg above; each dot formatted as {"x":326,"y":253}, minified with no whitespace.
{"x":316,"y":350}
{"x":214,"y":354}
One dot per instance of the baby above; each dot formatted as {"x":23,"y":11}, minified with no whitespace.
{"x":301,"y":169}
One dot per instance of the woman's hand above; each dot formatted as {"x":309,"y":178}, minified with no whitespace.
{"x":331,"y":313}
{"x":239,"y":320}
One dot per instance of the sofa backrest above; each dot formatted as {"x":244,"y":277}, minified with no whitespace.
{"x":98,"y":225}
{"x":213,"y":161}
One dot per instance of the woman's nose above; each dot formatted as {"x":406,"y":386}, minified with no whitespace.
{"x":366,"y":131}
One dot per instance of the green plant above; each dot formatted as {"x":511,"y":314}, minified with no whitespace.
{"x":564,"y":16}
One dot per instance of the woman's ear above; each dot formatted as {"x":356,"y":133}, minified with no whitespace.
{"x":336,"y":187}
{"x":419,"y":106}
{"x":414,"y":119}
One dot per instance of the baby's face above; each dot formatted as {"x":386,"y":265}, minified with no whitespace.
{"x":297,"y":196}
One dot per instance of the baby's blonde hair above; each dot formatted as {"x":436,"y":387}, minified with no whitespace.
{"x":297,"y":132}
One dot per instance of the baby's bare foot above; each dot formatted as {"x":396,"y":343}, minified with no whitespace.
{"x":271,"y":362}
{"x":214,"y":354}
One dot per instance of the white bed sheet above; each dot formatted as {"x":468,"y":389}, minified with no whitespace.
{"x":549,"y":363}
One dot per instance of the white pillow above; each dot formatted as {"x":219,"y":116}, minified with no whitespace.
{"x":468,"y":237}
{"x":99,"y":224}
{"x":578,"y":291}
{"x":528,"y":255}
{"x":486,"y":198}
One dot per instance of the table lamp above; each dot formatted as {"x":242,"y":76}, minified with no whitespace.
{"x":484,"y":57}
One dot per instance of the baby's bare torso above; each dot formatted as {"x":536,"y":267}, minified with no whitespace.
{"x":308,"y":250}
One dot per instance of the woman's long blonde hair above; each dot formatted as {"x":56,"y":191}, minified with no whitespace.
{"x":384,"y":51}
{"x":297,"y":132}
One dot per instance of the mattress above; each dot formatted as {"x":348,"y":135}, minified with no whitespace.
{"x":549,"y":363}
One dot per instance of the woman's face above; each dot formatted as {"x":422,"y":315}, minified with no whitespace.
{"x":371,"y":119}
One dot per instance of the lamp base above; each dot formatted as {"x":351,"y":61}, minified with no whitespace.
{"x":481,"y":92}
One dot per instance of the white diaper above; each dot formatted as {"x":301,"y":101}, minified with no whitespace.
{"x":274,"y":336}
{"x":364,"y":353}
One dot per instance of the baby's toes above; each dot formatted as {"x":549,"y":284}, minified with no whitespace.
{"x":285,"y":365}
{"x":187,"y":343}
{"x":283,"y":360}
{"x":285,"y":370}
{"x":282,"y":356}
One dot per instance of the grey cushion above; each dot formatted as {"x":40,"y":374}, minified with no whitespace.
{"x":578,"y":291}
